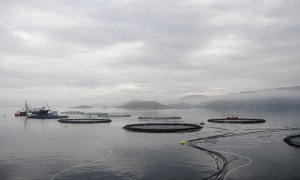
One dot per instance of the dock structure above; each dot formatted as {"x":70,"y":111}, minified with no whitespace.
{"x":237,"y":121}
{"x":84,"y":121}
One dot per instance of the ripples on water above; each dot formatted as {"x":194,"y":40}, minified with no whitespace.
{"x":45,"y":149}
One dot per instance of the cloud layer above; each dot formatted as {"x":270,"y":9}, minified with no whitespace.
{"x":96,"y":50}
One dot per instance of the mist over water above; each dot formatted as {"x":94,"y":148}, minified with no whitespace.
{"x":197,"y":59}
{"x":45,"y":149}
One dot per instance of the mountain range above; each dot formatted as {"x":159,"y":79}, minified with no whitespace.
{"x":283,"y":97}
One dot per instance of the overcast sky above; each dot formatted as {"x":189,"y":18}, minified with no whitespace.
{"x":99,"y":51}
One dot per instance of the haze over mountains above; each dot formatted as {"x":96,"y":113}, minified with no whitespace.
{"x":284,"y":97}
{"x":82,"y":107}
{"x":143,"y":105}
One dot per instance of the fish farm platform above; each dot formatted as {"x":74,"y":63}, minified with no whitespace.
{"x":84,"y":121}
{"x":46,"y":117}
{"x":293,"y":140}
{"x":238,"y":121}
{"x":163,"y":127}
{"x":119,"y":115}
{"x":159,"y":117}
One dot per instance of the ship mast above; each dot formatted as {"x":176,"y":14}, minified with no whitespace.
{"x":47,"y":105}
{"x":28,"y":108}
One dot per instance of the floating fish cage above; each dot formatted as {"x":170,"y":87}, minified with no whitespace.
{"x":163,"y":127}
{"x":84,"y":121}
{"x":293,"y":140}
{"x":46,"y":117}
{"x":73,"y":112}
{"x":238,"y":121}
{"x":96,"y":114}
{"x":119,"y":115}
{"x":159,"y":117}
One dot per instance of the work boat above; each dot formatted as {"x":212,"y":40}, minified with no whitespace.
{"x":40,"y":111}
{"x":33,"y":111}
{"x":20,"y":113}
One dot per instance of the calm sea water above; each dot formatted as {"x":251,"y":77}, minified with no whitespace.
{"x":46,"y":149}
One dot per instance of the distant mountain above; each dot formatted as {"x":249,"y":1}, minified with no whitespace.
{"x":143,"y":105}
{"x":292,"y":88}
{"x":180,"y":106}
{"x":191,"y":99}
{"x":261,"y":103}
{"x":82,"y":107}
{"x":283,"y":97}
{"x":217,"y":104}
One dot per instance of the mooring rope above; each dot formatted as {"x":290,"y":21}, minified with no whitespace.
{"x":83,"y":164}
{"x":236,"y":168}
{"x":222,"y":173}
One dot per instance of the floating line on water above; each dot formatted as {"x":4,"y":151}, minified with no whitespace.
{"x":236,"y":168}
{"x":222,"y":166}
{"x":83,"y":164}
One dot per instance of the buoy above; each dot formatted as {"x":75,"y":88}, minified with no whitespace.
{"x":182,"y":142}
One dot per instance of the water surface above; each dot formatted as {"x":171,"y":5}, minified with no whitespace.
{"x":45,"y":149}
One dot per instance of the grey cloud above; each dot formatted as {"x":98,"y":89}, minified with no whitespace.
{"x":164,"y":48}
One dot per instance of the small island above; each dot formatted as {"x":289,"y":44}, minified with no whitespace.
{"x":82,"y":107}
{"x":143,"y":105}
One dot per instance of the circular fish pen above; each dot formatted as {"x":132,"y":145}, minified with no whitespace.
{"x":84,"y":121}
{"x":293,"y":140}
{"x":238,"y":121}
{"x":119,"y":115}
{"x":46,"y":117}
{"x":163,"y":127}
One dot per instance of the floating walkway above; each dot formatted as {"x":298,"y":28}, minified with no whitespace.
{"x":237,"y":121}
{"x":46,"y":117}
{"x":96,"y":114}
{"x":293,"y":140}
{"x":163,"y":127}
{"x":84,"y":121}
{"x":119,"y":115}
{"x":73,"y":112}
{"x":159,"y":117}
